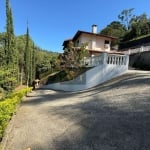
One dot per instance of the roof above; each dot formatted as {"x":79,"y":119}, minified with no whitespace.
{"x":66,"y":42}
{"x":78,"y":33}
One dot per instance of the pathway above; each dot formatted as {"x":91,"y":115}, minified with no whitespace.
{"x":112,"y":116}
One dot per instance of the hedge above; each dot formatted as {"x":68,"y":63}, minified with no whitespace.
{"x":8,"y":108}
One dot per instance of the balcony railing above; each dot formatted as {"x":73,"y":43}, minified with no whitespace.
{"x":106,"y":58}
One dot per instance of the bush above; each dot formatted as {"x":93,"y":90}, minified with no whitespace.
{"x":1,"y":90}
{"x":8,"y":108}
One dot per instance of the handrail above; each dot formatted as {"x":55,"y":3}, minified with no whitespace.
{"x":105,"y":58}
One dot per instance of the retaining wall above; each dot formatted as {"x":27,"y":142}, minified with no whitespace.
{"x":108,"y":67}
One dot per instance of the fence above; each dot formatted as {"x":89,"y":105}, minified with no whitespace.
{"x":93,"y":61}
{"x":137,"y":50}
{"x":117,"y":59}
{"x":106,"y":58}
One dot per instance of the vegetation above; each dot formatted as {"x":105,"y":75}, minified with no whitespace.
{"x":63,"y":75}
{"x":8,"y":107}
{"x":21,"y":61}
{"x":128,"y":27}
{"x":126,"y":16}
{"x":72,"y":57}
{"x":115,"y":29}
{"x":68,"y":65}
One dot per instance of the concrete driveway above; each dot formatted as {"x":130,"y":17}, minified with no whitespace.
{"x":112,"y":116}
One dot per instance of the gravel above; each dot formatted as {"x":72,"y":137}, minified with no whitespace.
{"x":111,"y":116}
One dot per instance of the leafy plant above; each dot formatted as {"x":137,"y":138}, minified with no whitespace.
{"x":8,"y":108}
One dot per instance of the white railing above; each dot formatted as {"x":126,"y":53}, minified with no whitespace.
{"x":106,"y":58}
{"x":93,"y":61}
{"x":137,"y":50}
{"x":117,"y":59}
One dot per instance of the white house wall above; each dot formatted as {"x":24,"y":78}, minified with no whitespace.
{"x":91,"y":78}
{"x":99,"y":44}
{"x":94,"y":43}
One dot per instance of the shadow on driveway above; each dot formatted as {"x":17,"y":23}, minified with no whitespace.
{"x":111,"y":116}
{"x":103,"y":122}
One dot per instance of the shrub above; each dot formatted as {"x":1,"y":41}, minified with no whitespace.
{"x":1,"y":90}
{"x":8,"y":108}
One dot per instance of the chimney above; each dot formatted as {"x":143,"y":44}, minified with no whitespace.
{"x":94,"y":29}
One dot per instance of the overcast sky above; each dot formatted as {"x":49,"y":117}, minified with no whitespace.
{"x":53,"y":21}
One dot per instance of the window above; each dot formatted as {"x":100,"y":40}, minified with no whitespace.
{"x":77,"y":43}
{"x":106,"y":42}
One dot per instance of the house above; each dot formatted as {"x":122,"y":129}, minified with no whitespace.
{"x":96,"y":43}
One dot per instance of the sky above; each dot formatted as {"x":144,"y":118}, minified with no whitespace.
{"x":51,"y":22}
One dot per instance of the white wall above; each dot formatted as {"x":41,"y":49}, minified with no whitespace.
{"x":94,"y":43}
{"x":94,"y":76}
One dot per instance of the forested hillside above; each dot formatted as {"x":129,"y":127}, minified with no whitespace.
{"x":21,"y":61}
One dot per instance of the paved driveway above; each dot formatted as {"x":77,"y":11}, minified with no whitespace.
{"x":113,"y":116}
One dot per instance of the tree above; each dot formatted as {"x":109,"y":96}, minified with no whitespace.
{"x":19,"y":57}
{"x":125,"y":17}
{"x":10,"y":47}
{"x":27,"y":59}
{"x":72,"y":56}
{"x":9,"y":52}
{"x":33,"y":63}
{"x":2,"y":49}
{"x":140,"y":25}
{"x":115,"y":29}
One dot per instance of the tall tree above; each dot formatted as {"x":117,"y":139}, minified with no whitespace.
{"x":139,"y":26}
{"x":125,"y":16}
{"x":115,"y":29}
{"x":27,"y":58}
{"x":10,"y":48}
{"x":11,"y":61}
{"x":33,"y":63}
{"x":2,"y":49}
